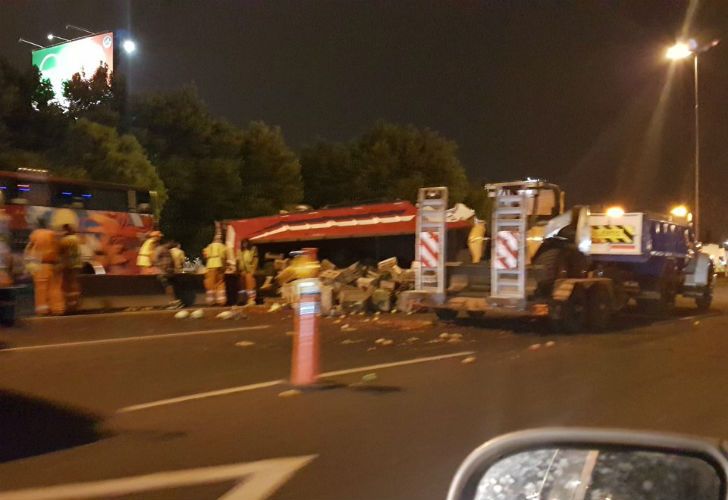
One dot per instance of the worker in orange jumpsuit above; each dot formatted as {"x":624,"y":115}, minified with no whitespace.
{"x":70,"y":260}
{"x":216,"y":255}
{"x":43,"y":252}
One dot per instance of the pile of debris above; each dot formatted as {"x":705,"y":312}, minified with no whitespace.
{"x":360,"y":288}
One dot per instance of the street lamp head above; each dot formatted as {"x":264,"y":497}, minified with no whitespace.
{"x":679,"y":211}
{"x":680,"y":50}
{"x":50,"y":36}
{"x":129,"y":46}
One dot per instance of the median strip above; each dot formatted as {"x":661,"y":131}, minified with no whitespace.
{"x":271,"y":383}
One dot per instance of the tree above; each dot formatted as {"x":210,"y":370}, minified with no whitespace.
{"x":387,"y":162}
{"x":395,"y":160}
{"x":271,"y":172}
{"x":100,"y":98}
{"x":104,"y":155}
{"x":325,"y":169}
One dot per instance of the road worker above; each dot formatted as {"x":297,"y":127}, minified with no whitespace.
{"x":164,"y":262}
{"x":178,"y":256}
{"x":71,"y":263}
{"x":247,"y":264}
{"x":145,"y":258}
{"x":41,"y":256}
{"x":215,"y":253}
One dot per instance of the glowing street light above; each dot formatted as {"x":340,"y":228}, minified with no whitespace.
{"x":52,"y":37}
{"x":680,"y":51}
{"x":129,"y":46}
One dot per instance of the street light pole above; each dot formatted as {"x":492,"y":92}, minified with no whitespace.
{"x":697,"y":149}
{"x":683,"y":50}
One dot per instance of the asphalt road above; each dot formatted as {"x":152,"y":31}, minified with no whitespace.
{"x":146,"y":406}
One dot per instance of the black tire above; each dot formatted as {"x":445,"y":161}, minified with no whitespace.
{"x":446,"y":314}
{"x":554,"y":264}
{"x":599,"y":307}
{"x":476,"y":314}
{"x":570,"y":316}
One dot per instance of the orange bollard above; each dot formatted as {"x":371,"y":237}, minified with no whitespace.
{"x":305,"y":358}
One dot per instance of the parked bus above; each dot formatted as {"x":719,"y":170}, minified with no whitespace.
{"x":111,"y":219}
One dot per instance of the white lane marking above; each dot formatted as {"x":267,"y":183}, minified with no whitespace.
{"x":201,"y":395}
{"x":254,"y":481}
{"x":262,"y":385}
{"x":396,"y":363}
{"x":118,"y":340}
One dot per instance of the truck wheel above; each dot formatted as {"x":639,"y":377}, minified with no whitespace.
{"x":704,"y":301}
{"x":599,"y":307}
{"x":446,"y":314}
{"x":570,"y":316}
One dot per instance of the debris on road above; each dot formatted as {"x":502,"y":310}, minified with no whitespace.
{"x":182,"y":314}
{"x":369,"y":377}
{"x":289,"y":393}
{"x":197,"y":314}
{"x":412,"y":340}
{"x":350,"y":341}
{"x":244,"y":343}
{"x":468,"y":360}
{"x":550,"y":343}
{"x":534,"y":347}
{"x":384,"y":342}
{"x":347,"y":328}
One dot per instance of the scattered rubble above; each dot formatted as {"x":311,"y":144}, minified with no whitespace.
{"x":244,"y":343}
{"x":534,"y":347}
{"x":468,"y":360}
{"x":369,"y":377}
{"x":197,"y":314}
{"x":182,"y":314}
{"x":550,"y":343}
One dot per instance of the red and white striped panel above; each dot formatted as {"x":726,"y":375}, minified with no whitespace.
{"x":506,"y":250}
{"x":429,"y":249}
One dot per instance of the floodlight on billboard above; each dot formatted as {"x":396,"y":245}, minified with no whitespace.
{"x":60,"y":62}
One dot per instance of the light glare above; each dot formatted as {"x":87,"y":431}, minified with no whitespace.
{"x":679,"y":211}
{"x":680,"y":50}
{"x":615,"y":212}
{"x":129,"y":46}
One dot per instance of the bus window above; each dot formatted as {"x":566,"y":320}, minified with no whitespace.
{"x":28,"y":193}
{"x":143,"y":202}
{"x":113,"y":200}
{"x":68,"y":196}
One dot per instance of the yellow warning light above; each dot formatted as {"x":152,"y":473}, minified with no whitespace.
{"x":615,"y":212}
{"x":679,"y":211}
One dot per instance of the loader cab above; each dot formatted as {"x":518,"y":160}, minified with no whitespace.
{"x":544,"y":200}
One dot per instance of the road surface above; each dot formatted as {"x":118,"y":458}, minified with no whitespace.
{"x":146,"y":406}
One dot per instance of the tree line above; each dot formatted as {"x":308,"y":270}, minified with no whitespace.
{"x":203,"y":167}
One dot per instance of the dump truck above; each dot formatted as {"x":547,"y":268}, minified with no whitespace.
{"x":573,"y":268}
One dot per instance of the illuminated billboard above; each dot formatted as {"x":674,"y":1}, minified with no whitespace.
{"x":60,"y":62}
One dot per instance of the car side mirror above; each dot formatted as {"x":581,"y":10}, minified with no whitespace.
{"x":592,"y":464}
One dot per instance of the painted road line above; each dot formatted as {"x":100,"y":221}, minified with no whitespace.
{"x":396,"y":363}
{"x":201,"y":395}
{"x":270,"y":383}
{"x":253,"y":481}
{"x":119,"y":340}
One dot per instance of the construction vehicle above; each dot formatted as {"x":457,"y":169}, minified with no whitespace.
{"x":573,"y":268}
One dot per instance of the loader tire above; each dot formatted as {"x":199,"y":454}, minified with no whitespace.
{"x":599,"y":308}
{"x":446,"y":314}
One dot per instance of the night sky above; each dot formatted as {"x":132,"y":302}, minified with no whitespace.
{"x":577,"y":91}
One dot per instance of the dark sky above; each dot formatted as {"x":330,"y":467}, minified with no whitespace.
{"x":574,"y":91}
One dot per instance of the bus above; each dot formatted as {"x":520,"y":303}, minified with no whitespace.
{"x":112,"y":220}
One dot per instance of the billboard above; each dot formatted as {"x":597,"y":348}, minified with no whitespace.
{"x":60,"y":62}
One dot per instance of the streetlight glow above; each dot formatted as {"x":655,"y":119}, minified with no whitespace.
{"x":680,"y":50}
{"x":129,"y":46}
